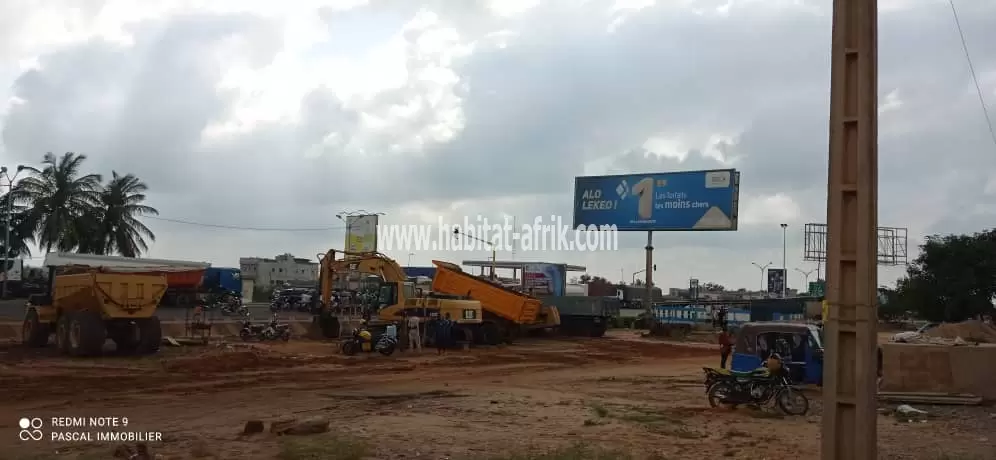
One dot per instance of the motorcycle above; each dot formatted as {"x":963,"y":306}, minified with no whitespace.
{"x":756,"y":388}
{"x":276,"y":330}
{"x":233,"y":308}
{"x":250,"y":331}
{"x":385,"y":344}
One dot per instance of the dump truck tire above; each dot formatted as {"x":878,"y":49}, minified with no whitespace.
{"x":126,"y":336}
{"x":62,"y":332}
{"x":150,"y":333}
{"x":87,"y":334}
{"x":490,"y":334}
{"x":597,"y":329}
{"x":34,"y":333}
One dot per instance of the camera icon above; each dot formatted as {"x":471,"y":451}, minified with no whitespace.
{"x":30,"y":429}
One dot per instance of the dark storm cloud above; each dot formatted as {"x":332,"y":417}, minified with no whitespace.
{"x":139,"y":109}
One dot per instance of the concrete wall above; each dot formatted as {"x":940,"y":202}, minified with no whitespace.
{"x":940,"y":369}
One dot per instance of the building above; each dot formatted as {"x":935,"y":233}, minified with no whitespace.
{"x":282,"y":269}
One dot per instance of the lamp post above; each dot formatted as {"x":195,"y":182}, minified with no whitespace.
{"x":6,"y":221}
{"x":410,"y":254}
{"x":762,"y":268}
{"x":637,"y":273}
{"x":494,"y":252}
{"x":806,"y":275}
{"x":784,"y":268}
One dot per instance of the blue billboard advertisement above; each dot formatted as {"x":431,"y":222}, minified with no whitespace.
{"x":687,"y":200}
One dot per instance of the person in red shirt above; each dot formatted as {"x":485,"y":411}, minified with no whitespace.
{"x":725,"y":346}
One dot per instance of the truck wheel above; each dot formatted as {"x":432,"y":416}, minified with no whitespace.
{"x":150,"y":334}
{"x":597,"y":330}
{"x":62,"y":332}
{"x":490,"y":333}
{"x":126,"y":336}
{"x":87,"y":334}
{"x":34,"y":333}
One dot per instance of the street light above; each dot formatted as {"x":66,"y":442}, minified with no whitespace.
{"x":784,"y":268}
{"x":762,"y":268}
{"x":9,"y":211}
{"x":805,"y":274}
{"x":410,"y":254}
{"x":494,"y":253}
{"x":641,"y":271}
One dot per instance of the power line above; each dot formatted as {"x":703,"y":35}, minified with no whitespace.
{"x":240,"y":227}
{"x":971,"y":69}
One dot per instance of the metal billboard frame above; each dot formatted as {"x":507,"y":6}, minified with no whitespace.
{"x":892,"y":242}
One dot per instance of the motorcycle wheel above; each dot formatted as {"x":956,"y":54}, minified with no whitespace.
{"x":387,"y":349}
{"x":718,"y":393}
{"x":245,"y":335}
{"x":349,"y":348}
{"x":285,"y":336}
{"x":792,"y":401}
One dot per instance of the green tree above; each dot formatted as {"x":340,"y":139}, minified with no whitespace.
{"x":953,"y":278}
{"x":68,"y":210}
{"x":121,"y":203}
{"x":62,"y":202}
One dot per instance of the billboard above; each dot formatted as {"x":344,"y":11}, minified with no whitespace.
{"x":687,"y":200}
{"x":545,"y":279}
{"x":776,"y":280}
{"x":361,"y":233}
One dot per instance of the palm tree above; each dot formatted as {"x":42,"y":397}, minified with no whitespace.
{"x":62,"y":203}
{"x":120,"y":205}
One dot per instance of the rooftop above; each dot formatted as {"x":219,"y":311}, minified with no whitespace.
{"x":518,"y":265}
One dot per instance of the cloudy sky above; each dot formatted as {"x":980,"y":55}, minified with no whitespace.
{"x":278,"y":115}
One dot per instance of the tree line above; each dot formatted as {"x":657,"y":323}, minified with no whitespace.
{"x":58,"y":207}
{"x":953,"y":279}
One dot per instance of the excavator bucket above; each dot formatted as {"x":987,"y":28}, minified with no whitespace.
{"x":324,"y":326}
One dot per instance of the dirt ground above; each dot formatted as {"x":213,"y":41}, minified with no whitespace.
{"x":617,"y":397}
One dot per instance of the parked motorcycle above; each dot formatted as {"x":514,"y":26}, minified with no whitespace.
{"x":354,"y":344}
{"x":276,"y":330}
{"x":758,"y":387}
{"x":233,"y":308}
{"x":250,"y":331}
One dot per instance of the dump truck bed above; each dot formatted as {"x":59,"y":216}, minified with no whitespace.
{"x":496,"y":299}
{"x":115,"y":295}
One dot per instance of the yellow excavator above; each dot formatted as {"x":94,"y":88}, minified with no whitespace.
{"x":396,"y":295}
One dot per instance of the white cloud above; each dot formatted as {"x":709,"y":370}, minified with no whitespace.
{"x":269,"y":114}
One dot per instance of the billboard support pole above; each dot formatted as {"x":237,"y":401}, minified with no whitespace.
{"x":648,"y":301}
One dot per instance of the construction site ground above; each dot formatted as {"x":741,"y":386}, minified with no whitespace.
{"x":618,"y":397}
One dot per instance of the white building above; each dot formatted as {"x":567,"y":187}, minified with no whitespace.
{"x":281,"y":269}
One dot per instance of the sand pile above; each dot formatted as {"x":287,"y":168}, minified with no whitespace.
{"x":969,"y":331}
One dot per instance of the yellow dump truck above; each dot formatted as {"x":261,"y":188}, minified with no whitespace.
{"x":86,"y":306}
{"x":506,"y":312}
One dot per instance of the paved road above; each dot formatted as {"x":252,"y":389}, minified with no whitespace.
{"x":13,"y":310}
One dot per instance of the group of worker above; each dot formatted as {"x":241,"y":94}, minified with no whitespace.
{"x":442,"y":329}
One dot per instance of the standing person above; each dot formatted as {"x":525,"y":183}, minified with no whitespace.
{"x":414,"y":338}
{"x":725,"y":346}
{"x":444,"y":330}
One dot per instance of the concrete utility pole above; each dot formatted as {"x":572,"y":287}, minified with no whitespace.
{"x":849,"y":368}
